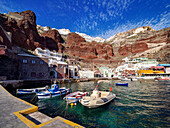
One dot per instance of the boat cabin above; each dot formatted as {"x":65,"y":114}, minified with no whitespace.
{"x":54,"y":88}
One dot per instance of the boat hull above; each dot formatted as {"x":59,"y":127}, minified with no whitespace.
{"x":44,"y":95}
{"x":75,"y":97}
{"x":96,"y":102}
{"x":30,"y":91}
{"x":121,"y":84}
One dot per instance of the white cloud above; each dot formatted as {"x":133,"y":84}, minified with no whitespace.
{"x":160,"y":22}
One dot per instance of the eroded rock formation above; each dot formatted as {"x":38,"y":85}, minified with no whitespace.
{"x":24,"y":33}
{"x":78,"y":47}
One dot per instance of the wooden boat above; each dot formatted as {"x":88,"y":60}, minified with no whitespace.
{"x":98,"y":98}
{"x":53,"y":92}
{"x":30,"y":91}
{"x":121,"y":84}
{"x":75,"y":96}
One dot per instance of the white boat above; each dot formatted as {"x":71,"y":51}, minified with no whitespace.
{"x":53,"y":92}
{"x":98,"y":98}
{"x":129,"y":79}
{"x":75,"y":96}
{"x":31,"y":91}
{"x":125,"y":79}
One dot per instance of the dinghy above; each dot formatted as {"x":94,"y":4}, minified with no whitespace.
{"x":75,"y":96}
{"x":31,"y":91}
{"x":98,"y":98}
{"x":164,"y":79}
{"x":53,"y":92}
{"x":121,"y":84}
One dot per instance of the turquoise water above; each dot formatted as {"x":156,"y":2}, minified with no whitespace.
{"x":142,"y":104}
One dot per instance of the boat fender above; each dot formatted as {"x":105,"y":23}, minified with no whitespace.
{"x":110,"y":89}
{"x":76,"y":97}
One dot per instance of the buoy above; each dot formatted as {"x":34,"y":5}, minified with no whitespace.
{"x":71,"y":105}
{"x":111,"y":89}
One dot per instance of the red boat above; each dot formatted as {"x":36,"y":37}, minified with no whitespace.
{"x":162,"y":78}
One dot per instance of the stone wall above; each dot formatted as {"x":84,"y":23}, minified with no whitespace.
{"x":8,"y":68}
{"x":33,"y":68}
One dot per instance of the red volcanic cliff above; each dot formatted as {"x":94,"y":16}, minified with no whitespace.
{"x":74,"y":39}
{"x":134,"y":48}
{"x":54,"y":34}
{"x":24,"y":33}
{"x":77,"y":46}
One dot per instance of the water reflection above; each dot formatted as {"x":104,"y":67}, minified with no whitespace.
{"x":142,"y":104}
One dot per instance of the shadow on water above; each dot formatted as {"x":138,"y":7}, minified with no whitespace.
{"x":141,"y":104}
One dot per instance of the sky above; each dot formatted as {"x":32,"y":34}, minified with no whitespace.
{"x":97,"y":18}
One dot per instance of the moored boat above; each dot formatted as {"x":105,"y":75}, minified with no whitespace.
{"x":121,"y":84}
{"x":162,"y":78}
{"x":98,"y":98}
{"x":125,"y":79}
{"x":30,"y":91}
{"x":75,"y":96}
{"x":53,"y":92}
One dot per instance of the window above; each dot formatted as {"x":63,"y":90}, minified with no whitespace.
{"x":33,"y":61}
{"x":41,"y":74}
{"x":24,"y":61}
{"x":41,"y":62}
{"x":61,"y":66}
{"x":33,"y":74}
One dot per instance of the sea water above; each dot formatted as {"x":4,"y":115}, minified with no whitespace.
{"x":141,"y":104}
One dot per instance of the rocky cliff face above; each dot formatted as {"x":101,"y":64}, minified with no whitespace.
{"x":143,"y":41}
{"x":24,"y":33}
{"x":77,"y":46}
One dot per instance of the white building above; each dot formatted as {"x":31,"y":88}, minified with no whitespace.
{"x":135,"y":64}
{"x":53,"y":57}
{"x":86,"y":74}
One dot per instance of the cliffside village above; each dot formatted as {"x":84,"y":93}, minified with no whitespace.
{"x":17,"y":63}
{"x":43,"y":64}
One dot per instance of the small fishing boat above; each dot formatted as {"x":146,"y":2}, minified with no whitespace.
{"x":129,"y":79}
{"x":125,"y":79}
{"x":53,"y":92}
{"x":121,"y":84}
{"x":31,"y":91}
{"x":162,"y":78}
{"x":98,"y":98}
{"x":75,"y":96}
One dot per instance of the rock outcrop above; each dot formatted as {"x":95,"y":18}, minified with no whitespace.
{"x":74,"y":39}
{"x":54,"y":34}
{"x":24,"y":33}
{"x":77,"y":46}
{"x":131,"y":49}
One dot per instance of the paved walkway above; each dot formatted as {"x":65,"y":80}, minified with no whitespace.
{"x":10,"y":105}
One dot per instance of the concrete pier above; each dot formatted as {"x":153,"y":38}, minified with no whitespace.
{"x":16,"y":113}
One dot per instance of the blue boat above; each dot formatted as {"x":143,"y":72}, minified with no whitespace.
{"x":121,"y":84}
{"x":53,"y":92}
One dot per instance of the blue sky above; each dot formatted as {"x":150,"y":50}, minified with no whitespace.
{"x":103,"y":18}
